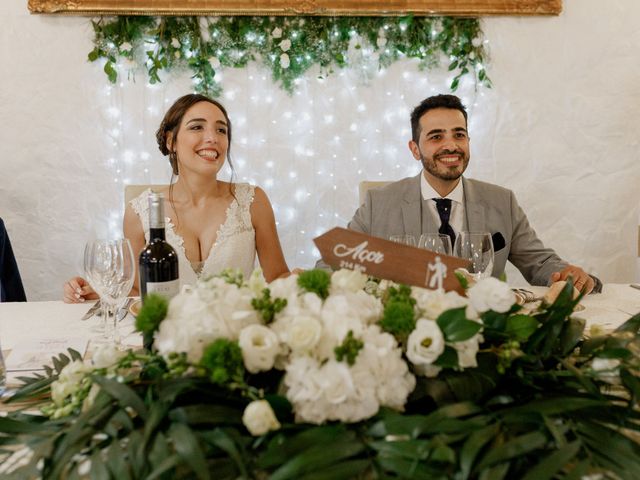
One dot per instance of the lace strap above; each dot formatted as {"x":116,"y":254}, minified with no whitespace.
{"x":244,"y":194}
{"x":140,"y":205}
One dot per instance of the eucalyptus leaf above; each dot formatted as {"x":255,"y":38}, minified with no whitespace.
{"x":549,"y":466}
{"x":188,"y":449}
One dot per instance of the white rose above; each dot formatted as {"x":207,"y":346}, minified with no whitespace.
{"x":214,"y":62}
{"x":277,"y":32}
{"x":259,"y":345}
{"x":347,"y":281}
{"x":467,"y":351}
{"x":285,"y":45}
{"x":425,"y":343}
{"x":491,"y":294}
{"x":284,"y":60}
{"x":125,"y":47}
{"x":476,"y":42}
{"x":303,"y":334}
{"x":175,"y":43}
{"x":106,"y":356}
{"x":259,"y":418}
{"x":381,"y":42}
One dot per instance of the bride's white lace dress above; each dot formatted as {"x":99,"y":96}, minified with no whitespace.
{"x":235,"y":245}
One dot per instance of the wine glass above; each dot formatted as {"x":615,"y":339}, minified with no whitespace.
{"x":436,"y":242}
{"x":404,"y":239}
{"x":109,"y":266}
{"x":477,"y":248}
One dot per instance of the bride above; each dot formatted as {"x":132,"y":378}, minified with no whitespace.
{"x":212,"y":224}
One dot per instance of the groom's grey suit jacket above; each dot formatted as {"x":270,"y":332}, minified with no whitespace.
{"x":396,"y":209}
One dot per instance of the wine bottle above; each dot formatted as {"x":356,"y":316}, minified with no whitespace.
{"x":158,"y":261}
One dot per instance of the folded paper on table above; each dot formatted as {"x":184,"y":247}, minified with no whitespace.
{"x":35,"y":354}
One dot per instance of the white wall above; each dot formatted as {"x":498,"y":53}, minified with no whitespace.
{"x":559,"y":128}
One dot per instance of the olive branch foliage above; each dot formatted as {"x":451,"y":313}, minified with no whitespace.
{"x":544,"y":414}
{"x":208,"y":45}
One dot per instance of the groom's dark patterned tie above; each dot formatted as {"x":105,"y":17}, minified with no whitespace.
{"x":444,"y":210}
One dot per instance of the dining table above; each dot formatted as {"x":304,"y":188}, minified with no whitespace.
{"x":32,"y":332}
{"x":45,"y":326}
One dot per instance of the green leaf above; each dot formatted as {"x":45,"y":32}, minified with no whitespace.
{"x":448,"y":358}
{"x":408,"y":469}
{"x":572,"y":333}
{"x":553,"y":463}
{"x":521,"y":327}
{"x":15,"y":427}
{"x":223,"y":441}
{"x":318,"y":457}
{"x":513,"y":447}
{"x":340,"y":471}
{"x":473,"y":445}
{"x":631,"y":325}
{"x":111,"y":72}
{"x":632,"y":382}
{"x":207,"y":415}
{"x":187,"y":447}
{"x":455,"y":326}
{"x":124,"y":394}
{"x":168,"y":464}
{"x":497,"y":472}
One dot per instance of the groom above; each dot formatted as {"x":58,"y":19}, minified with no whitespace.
{"x":441,"y":200}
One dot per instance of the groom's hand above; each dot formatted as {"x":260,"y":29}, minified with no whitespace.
{"x":581,"y":279}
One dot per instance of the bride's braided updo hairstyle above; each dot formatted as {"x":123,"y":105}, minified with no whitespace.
{"x":170,"y":126}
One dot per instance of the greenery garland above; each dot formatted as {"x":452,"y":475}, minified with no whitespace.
{"x":288,"y":46}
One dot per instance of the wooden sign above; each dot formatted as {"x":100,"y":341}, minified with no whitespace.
{"x":380,"y":258}
{"x":462,"y":8}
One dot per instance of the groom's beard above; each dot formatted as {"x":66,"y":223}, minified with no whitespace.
{"x":442,"y":171}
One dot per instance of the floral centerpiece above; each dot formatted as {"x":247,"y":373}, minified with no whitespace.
{"x":321,"y":376}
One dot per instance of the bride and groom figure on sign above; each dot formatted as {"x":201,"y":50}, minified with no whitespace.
{"x":214,"y":225}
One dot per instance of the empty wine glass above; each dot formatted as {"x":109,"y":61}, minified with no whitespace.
{"x":436,"y":242}
{"x":404,"y":239}
{"x":109,"y":267}
{"x":477,"y":248}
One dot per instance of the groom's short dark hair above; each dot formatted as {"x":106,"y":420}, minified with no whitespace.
{"x":436,"y":101}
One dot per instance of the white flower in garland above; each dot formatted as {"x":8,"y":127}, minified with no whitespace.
{"x":467,"y":351}
{"x":175,"y":43}
{"x":126,"y":47}
{"x":68,"y":381}
{"x":197,"y":316}
{"x":106,"y":356}
{"x":476,"y":42}
{"x":433,"y":302}
{"x":347,"y":281}
{"x":260,"y":346}
{"x":214,"y":62}
{"x":285,"y":45}
{"x":284,"y":61}
{"x":425,"y":343}
{"x":259,"y":418}
{"x":277,"y":32}
{"x":491,"y":294}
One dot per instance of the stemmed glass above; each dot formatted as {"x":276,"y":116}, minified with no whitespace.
{"x":436,"y":242}
{"x":109,"y":267}
{"x":404,"y":239}
{"x":477,"y":247}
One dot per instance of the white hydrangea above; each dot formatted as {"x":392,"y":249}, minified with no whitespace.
{"x":433,"y":302}
{"x":491,"y":294}
{"x":197,"y":316}
{"x":347,"y":281}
